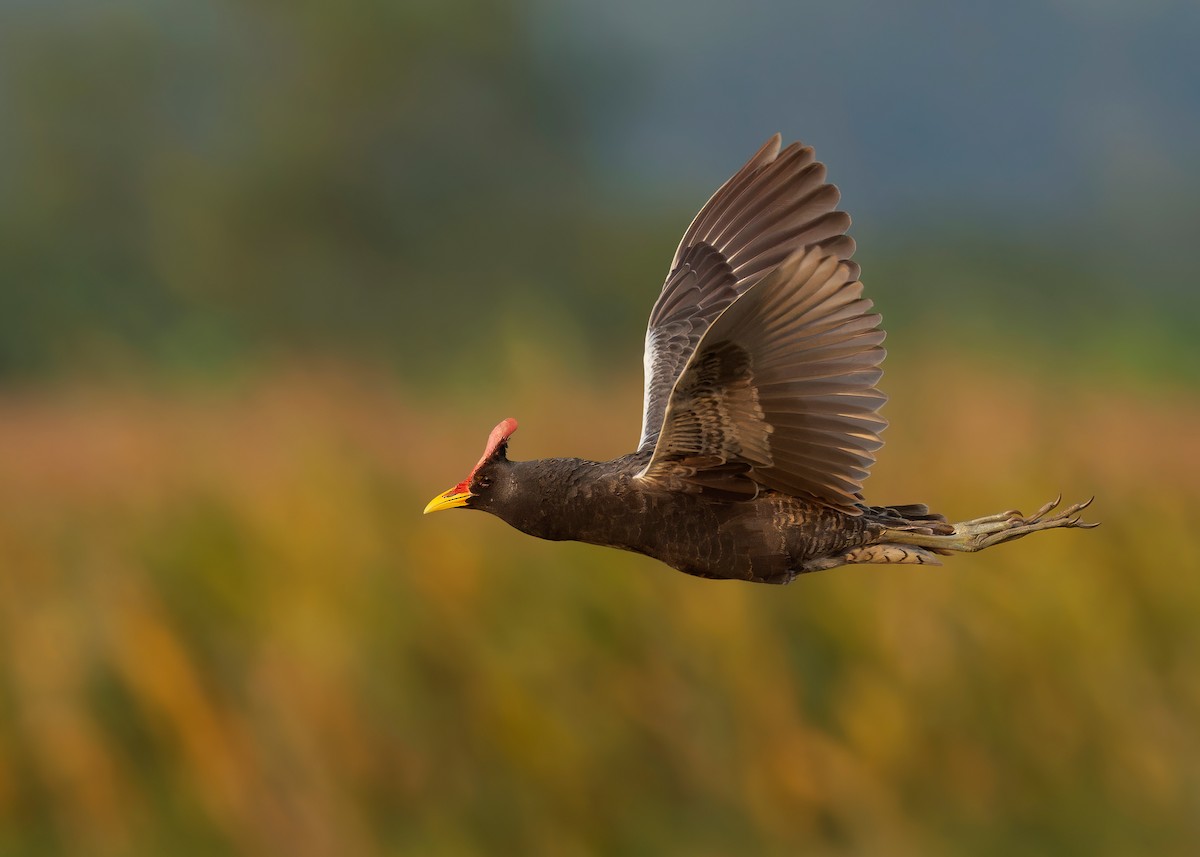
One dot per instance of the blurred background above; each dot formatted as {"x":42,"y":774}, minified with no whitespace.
{"x":269,"y":273}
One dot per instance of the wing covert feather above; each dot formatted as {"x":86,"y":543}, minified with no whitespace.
{"x":782,"y":383}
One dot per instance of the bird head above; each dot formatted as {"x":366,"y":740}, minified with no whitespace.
{"x":481,"y":483}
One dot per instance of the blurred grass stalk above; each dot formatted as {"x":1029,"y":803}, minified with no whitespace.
{"x":226,"y":627}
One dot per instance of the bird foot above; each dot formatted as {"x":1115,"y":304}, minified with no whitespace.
{"x":980,"y":533}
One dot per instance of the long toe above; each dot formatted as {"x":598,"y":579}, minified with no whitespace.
{"x":1019,"y":527}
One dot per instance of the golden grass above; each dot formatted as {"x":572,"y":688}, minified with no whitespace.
{"x":226,"y":627}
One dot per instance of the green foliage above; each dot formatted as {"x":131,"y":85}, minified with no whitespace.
{"x":190,"y":190}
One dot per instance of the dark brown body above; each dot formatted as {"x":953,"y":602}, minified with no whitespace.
{"x":769,"y":539}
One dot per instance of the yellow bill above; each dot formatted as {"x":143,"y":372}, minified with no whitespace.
{"x":448,"y":500}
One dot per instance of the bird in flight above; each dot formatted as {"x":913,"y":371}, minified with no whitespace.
{"x":761,"y":416}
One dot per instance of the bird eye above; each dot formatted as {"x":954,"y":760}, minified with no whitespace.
{"x":484,"y":482}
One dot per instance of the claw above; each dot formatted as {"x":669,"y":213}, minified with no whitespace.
{"x":1045,"y":510}
{"x":1086,"y":503}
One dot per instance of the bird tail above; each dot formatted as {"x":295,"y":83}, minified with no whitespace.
{"x":912,"y":517}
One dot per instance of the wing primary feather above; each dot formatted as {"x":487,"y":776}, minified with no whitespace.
{"x":755,"y":228}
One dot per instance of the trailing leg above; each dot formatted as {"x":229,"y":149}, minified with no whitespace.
{"x":991,"y":530}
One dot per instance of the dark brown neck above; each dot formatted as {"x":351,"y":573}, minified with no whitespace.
{"x":565,"y":498}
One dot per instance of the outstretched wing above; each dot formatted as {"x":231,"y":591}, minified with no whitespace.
{"x":776,"y":204}
{"x":780,"y":392}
